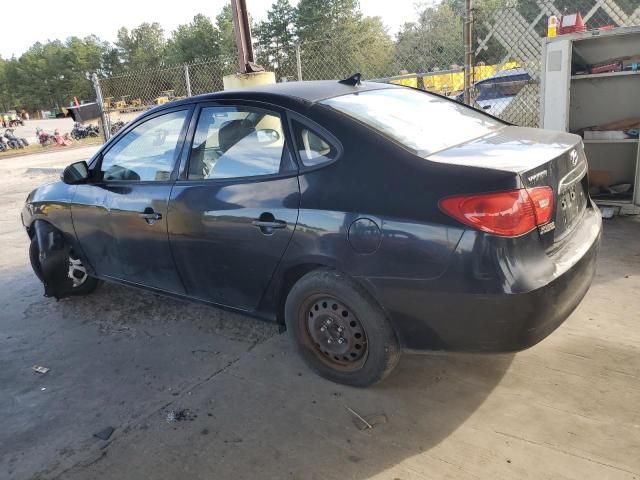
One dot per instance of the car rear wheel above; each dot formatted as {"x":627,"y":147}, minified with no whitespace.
{"x":339,"y":329}
{"x":77,"y":281}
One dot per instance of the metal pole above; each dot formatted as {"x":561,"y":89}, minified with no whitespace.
{"x":187,"y":80}
{"x":242,"y":29}
{"x":106,"y":129}
{"x":298,"y":62}
{"x":468,"y":51}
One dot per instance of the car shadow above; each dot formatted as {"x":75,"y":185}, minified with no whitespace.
{"x":267,"y":416}
{"x":254,"y":409}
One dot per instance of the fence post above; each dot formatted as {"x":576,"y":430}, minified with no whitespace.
{"x":187,"y":80}
{"x":298,"y":62}
{"x":106,"y":128}
{"x":468,"y":51}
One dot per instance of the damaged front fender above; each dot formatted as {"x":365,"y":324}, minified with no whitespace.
{"x":50,"y":260}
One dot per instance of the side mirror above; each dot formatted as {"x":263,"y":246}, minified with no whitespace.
{"x":75,"y":173}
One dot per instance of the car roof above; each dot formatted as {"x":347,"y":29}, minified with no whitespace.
{"x":506,"y":74}
{"x":305,"y":91}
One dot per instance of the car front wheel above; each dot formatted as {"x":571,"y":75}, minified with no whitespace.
{"x":340,"y":330}
{"x":73,"y":275}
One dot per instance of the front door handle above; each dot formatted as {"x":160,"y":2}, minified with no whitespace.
{"x":267,"y":223}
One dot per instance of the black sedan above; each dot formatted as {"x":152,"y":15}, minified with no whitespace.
{"x":367,"y":218}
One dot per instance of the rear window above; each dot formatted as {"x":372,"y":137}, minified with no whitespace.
{"x":422,"y":122}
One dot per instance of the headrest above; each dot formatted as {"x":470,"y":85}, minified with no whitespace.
{"x":232,"y":132}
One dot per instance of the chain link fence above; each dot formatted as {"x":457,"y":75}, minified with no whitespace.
{"x":507,"y":51}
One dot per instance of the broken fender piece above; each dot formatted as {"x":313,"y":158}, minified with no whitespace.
{"x":52,"y":260}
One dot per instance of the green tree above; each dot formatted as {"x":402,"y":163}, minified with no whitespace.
{"x":483,"y":13}
{"x":224,"y":25}
{"x":6,"y":100}
{"x":194,"y":42}
{"x":51,"y":74}
{"x":276,"y":37}
{"x":338,"y":41}
{"x":143,"y":47}
{"x":433,"y":42}
{"x":327,"y":19}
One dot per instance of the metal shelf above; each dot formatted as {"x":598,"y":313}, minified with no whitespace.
{"x":607,"y":140}
{"x":604,"y":75}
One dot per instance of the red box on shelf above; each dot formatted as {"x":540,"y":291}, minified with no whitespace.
{"x":571,"y":24}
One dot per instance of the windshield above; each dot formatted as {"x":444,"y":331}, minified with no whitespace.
{"x":421,"y":122}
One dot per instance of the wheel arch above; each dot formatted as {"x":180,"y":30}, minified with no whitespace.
{"x":293,"y":273}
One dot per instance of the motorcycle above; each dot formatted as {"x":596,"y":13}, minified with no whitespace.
{"x":62,"y":140}
{"x":81,"y":131}
{"x":13,"y":141}
{"x":117,"y":126}
{"x":94,"y":130}
{"x":45,"y":138}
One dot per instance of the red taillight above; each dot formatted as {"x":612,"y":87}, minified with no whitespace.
{"x":509,"y":214}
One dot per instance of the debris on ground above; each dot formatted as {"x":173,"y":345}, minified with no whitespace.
{"x":104,"y":434}
{"x":368,"y":421}
{"x":180,"y":415}
{"x":40,"y":369}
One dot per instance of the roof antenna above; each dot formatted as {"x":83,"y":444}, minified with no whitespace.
{"x":353,"y":80}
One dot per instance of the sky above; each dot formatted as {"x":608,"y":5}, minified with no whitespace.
{"x":81,"y":17}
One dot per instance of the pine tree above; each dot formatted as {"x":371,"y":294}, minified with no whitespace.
{"x":276,"y":37}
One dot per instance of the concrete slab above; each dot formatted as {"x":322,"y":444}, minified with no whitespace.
{"x":567,"y":408}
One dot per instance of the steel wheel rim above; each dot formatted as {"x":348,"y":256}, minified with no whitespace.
{"x":77,"y":272}
{"x":334,"y":333}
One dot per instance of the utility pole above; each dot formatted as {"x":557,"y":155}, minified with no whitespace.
{"x":468,"y":50}
{"x":242,"y":28}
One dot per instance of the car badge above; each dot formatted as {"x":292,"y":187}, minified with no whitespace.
{"x":573,"y":156}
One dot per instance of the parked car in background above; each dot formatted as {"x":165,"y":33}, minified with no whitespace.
{"x":494,"y":94}
{"x":368,"y":218}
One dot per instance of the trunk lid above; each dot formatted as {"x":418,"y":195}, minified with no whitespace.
{"x":539,"y":158}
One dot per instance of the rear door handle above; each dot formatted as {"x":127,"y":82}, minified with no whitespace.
{"x":150,"y":216}
{"x":266,"y":224}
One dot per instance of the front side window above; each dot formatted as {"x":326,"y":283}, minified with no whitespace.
{"x":146,"y":153}
{"x":422,"y":122}
{"x":233,"y":142}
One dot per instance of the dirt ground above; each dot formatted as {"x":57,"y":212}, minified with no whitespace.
{"x":194,"y":392}
{"x":28,"y":130}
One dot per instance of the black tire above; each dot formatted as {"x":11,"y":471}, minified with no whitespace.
{"x":328,"y":297}
{"x":89,"y":286}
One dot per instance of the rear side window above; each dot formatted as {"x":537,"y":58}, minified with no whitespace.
{"x":313,"y":148}
{"x":422,"y":122}
{"x":234,"y":142}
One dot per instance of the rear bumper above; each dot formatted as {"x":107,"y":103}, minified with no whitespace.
{"x":428,"y":318}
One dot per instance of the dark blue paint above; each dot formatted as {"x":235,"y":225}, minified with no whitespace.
{"x":373,"y":214}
